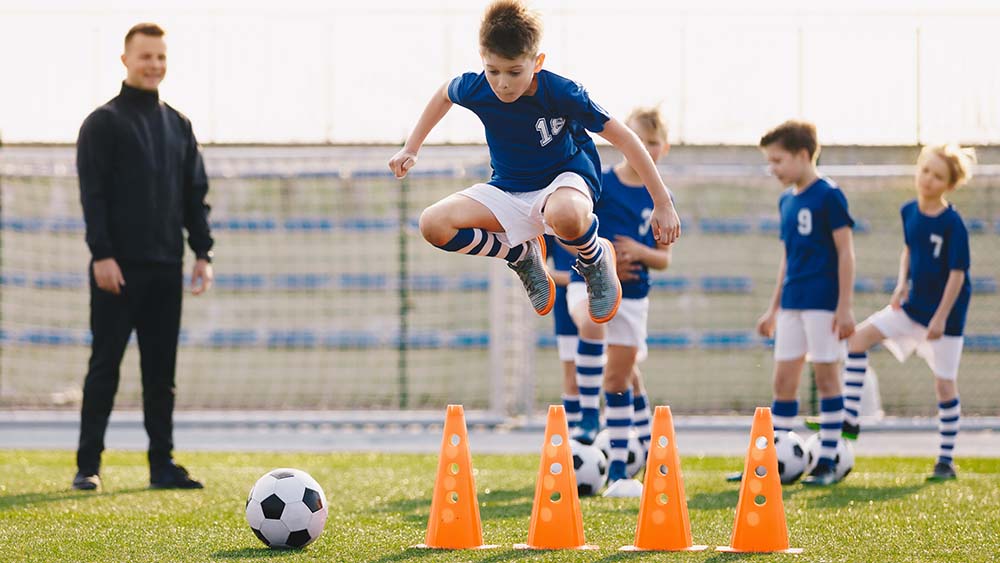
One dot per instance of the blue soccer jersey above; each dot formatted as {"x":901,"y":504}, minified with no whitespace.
{"x":808,"y":220}
{"x":535,"y":138}
{"x":625,"y":210}
{"x":937,"y":246}
{"x":564,"y":261}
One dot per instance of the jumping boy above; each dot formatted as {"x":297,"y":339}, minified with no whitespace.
{"x":546,"y":172}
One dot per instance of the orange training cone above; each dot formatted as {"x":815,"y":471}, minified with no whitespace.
{"x":454,"y":521}
{"x":760,"y":513}
{"x":663,"y":523}
{"x":556,"y":519}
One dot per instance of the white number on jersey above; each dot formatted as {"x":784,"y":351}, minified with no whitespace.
{"x":647,"y":215}
{"x":805,"y":221}
{"x":937,"y":241}
{"x":556,"y":125}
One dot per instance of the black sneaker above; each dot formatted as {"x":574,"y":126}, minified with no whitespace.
{"x":734,"y":477}
{"x":84,"y":482}
{"x":823,"y":475}
{"x":172,"y":477}
{"x":848,"y":431}
{"x":943,"y":472}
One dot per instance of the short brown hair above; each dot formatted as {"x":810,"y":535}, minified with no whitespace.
{"x":958,"y":159}
{"x":793,"y":135}
{"x":651,"y":118}
{"x":510,"y":29}
{"x":145,"y":28}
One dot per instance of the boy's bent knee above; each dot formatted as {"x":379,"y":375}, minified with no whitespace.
{"x":434,"y":226}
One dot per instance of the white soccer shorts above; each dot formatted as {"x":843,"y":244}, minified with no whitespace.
{"x":809,"y":333}
{"x":904,"y":336}
{"x":520,"y":213}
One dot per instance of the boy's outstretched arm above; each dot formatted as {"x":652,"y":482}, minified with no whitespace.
{"x":665,"y":223}
{"x":843,"y":317}
{"x":439,"y":105}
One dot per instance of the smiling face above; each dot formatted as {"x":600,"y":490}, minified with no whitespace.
{"x":145,"y":61}
{"x":933,"y":177}
{"x":511,"y":78}
{"x":788,"y":167}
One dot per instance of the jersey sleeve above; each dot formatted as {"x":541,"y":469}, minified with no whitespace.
{"x":461,"y":86}
{"x":581,"y":109}
{"x":958,"y":246}
{"x":836,"y":205}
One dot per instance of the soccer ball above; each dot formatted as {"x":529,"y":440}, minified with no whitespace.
{"x":591,"y":468}
{"x":791,"y":451}
{"x":636,"y":454}
{"x":286,"y":508}
{"x":843,"y":463}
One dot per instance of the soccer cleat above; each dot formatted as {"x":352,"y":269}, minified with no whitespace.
{"x":823,"y":475}
{"x":83,"y":482}
{"x":172,"y":477}
{"x":586,"y":431}
{"x":848,"y":431}
{"x":624,"y":488}
{"x":535,"y":277}
{"x":735,"y":477}
{"x":943,"y":472}
{"x":604,"y":291}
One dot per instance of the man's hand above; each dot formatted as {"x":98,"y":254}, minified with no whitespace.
{"x":401,"y":163}
{"x":666,"y":224}
{"x":201,"y":277}
{"x":109,"y":276}
{"x":843,"y":323}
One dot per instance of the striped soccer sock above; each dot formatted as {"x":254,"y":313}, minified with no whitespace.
{"x":640,"y":420}
{"x":783,"y":414}
{"x":587,"y":247}
{"x":831,"y":423}
{"x":572,"y":405}
{"x":480,"y":242}
{"x":949,"y":413}
{"x":619,"y":419}
{"x":854,"y":381}
{"x":590,"y":360}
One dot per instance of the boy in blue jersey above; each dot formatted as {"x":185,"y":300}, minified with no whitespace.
{"x":810,"y":312}
{"x":607,"y":355}
{"x":545,"y":167}
{"x":927,"y":311}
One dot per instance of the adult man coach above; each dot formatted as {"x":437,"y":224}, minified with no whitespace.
{"x":142,"y":183}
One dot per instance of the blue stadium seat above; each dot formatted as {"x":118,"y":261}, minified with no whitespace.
{"x":427,"y":282}
{"x":669,"y":340}
{"x":59,"y":281}
{"x":983,"y":342}
{"x":472,"y":282}
{"x":769,"y":226}
{"x":352,"y":339}
{"x":673,"y":283}
{"x":309,"y":224}
{"x":467,"y":339}
{"x":975,"y":225}
{"x":726,"y":284}
{"x":865,"y":285}
{"x":862,"y":226}
{"x":362,"y":281}
{"x":14,"y":279}
{"x":300,"y":338}
{"x":366,"y":224}
{"x":66,"y":225}
{"x":295,"y":282}
{"x":232,"y":338}
{"x":240,"y":282}
{"x":716,"y":340}
{"x":244,"y":224}
{"x":984,"y":284}
{"x":546,"y":340}
{"x":727,"y":226}
{"x":54,"y":337}
{"x":23,"y":224}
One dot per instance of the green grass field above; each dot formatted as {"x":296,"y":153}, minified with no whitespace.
{"x":379,"y":505}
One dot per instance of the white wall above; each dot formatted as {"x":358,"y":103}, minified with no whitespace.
{"x":355,"y":72}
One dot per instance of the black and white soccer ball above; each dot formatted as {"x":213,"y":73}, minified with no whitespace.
{"x":791,"y":450}
{"x":636,"y":454}
{"x":286,"y":508}
{"x":591,"y":468}
{"x":843,"y":462}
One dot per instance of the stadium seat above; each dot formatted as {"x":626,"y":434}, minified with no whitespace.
{"x":726,"y":284}
{"x":670,"y":284}
{"x":715,"y":340}
{"x":669,"y":340}
{"x":726,"y":226}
